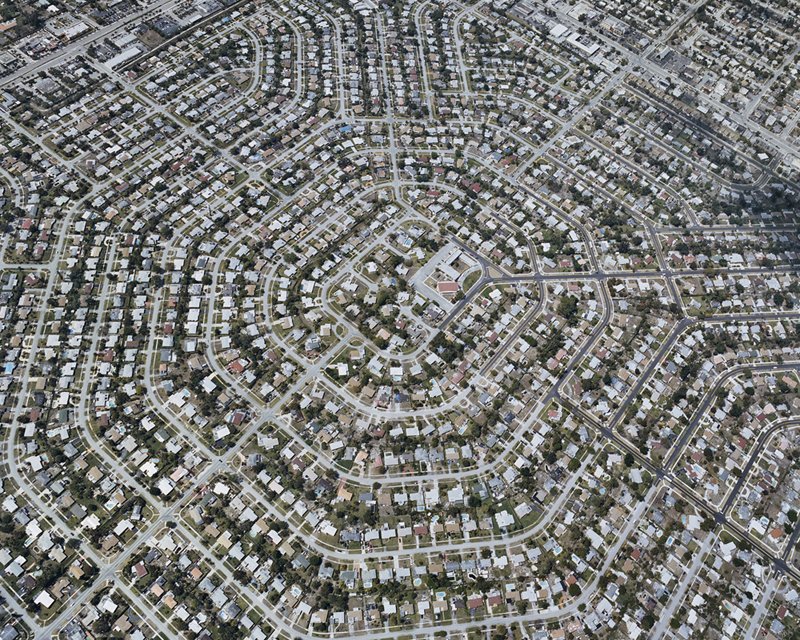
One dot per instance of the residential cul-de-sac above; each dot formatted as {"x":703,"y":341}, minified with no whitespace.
{"x":400,"y":319}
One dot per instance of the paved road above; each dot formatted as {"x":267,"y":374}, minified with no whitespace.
{"x":271,"y":413}
{"x":679,"y":593}
{"x":79,"y":46}
{"x":703,"y":408}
